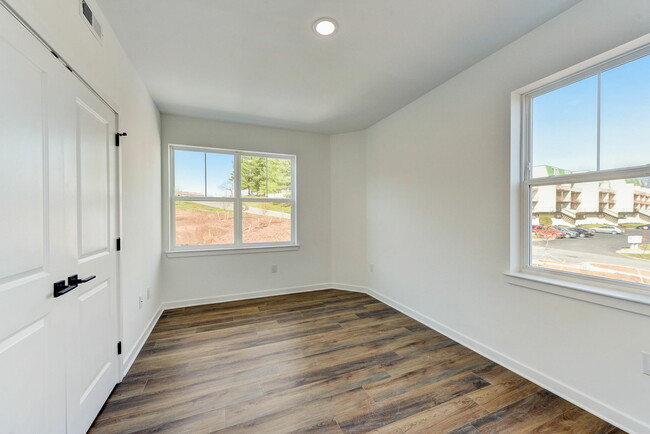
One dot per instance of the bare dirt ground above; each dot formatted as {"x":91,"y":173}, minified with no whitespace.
{"x":205,"y":228}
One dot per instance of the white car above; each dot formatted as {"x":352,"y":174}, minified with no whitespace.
{"x":614,"y":230}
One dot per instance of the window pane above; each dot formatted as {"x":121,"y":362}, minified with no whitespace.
{"x":220,"y":170}
{"x":564,"y":129}
{"x":204,"y":223}
{"x":625,"y":115}
{"x":265,"y":177}
{"x":266,"y":222}
{"x":189,"y":173}
{"x":595,"y":228}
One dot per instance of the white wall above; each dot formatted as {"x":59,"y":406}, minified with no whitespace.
{"x":225,"y":277}
{"x":448,"y":151}
{"x":106,"y":67}
{"x":348,"y":209}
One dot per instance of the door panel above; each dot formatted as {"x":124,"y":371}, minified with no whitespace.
{"x":94,"y":326}
{"x":92,"y":181}
{"x":27,"y":405}
{"x":32,"y":353}
{"x":22,"y":233}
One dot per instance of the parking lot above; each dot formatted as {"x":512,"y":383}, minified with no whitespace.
{"x":599,"y":243}
{"x":599,"y":248}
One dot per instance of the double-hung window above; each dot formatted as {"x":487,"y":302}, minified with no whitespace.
{"x":585,"y":186}
{"x":223,"y":199}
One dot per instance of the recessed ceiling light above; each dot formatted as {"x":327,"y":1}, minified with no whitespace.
{"x":325,"y":26}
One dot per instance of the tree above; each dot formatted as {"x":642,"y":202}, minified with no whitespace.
{"x":545,"y":220}
{"x":253,"y":175}
{"x":261,"y":176}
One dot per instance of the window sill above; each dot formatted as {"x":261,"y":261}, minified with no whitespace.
{"x":605,"y":295}
{"x":237,"y":251}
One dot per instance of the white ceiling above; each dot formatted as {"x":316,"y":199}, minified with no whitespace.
{"x":258,"y":61}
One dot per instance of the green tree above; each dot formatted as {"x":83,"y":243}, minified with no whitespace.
{"x":279,"y":180}
{"x":261,"y":176}
{"x":545,"y":220}
{"x":253,"y":176}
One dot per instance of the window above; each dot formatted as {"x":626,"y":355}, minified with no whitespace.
{"x":586,"y":177}
{"x":224,"y":199}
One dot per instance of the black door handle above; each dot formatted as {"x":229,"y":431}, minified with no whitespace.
{"x":74,"y":279}
{"x":61,"y":288}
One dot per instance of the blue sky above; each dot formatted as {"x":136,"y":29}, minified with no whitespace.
{"x":190,"y":169}
{"x":565,"y":121}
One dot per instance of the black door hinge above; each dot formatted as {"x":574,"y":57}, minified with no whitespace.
{"x":118,"y":244}
{"x":119,"y":348}
{"x":117,"y":138}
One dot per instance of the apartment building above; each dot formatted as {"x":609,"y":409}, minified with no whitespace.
{"x":600,"y":202}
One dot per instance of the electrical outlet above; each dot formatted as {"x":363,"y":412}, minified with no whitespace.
{"x":140,"y":302}
{"x":148,"y":293}
{"x":274,"y":268}
{"x":645,"y":357}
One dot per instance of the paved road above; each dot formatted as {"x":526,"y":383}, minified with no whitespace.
{"x":599,"y":248}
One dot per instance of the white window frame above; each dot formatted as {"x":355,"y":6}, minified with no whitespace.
{"x":238,"y":246}
{"x":624,"y":295}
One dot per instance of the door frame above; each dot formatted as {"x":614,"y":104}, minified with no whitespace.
{"x":118,"y":175}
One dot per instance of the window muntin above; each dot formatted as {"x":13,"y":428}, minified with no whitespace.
{"x":226,"y":199}
{"x":588,"y":167}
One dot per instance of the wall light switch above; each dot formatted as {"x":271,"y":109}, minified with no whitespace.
{"x":646,"y":362}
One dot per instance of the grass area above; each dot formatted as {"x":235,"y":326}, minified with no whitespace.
{"x":595,"y":225}
{"x":630,"y":225}
{"x":637,"y":255}
{"x":198,"y":207}
{"x":644,"y":255}
{"x":271,"y":206}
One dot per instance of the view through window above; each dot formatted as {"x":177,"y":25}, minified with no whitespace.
{"x":224,"y":199}
{"x":588,"y":182}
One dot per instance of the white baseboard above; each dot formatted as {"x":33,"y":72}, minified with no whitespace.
{"x":594,"y":406}
{"x":347,"y":287}
{"x":129,"y":358}
{"x":245,"y":296}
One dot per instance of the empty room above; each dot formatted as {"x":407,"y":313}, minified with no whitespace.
{"x":327,"y":216}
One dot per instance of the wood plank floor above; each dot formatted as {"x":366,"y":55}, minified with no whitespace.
{"x":328,"y":362}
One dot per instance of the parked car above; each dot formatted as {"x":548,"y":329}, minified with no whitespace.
{"x":614,"y":230}
{"x":583,"y":233}
{"x":568,"y":233}
{"x":547,"y":232}
{"x":644,"y":227}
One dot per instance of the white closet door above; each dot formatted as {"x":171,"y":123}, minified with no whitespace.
{"x":91,"y":231}
{"x":32,"y":253}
